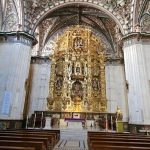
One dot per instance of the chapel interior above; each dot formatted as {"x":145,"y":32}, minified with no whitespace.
{"x":74,"y":74}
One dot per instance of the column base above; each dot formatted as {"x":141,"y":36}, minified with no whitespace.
{"x":11,"y":124}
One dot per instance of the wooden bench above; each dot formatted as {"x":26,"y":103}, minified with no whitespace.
{"x":16,"y":148}
{"x":55,"y":133}
{"x":107,"y":147}
{"x":112,"y":141}
{"x":20,"y":138}
{"x":48,"y":138}
{"x":36,"y":145}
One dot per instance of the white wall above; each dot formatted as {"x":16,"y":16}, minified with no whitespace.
{"x":40,"y":87}
{"x":116,"y":89}
{"x":14,"y":68}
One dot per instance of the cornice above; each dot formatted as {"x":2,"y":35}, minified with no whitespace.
{"x":114,"y":61}
{"x":40,"y":60}
{"x":18,"y":37}
{"x":136,"y":35}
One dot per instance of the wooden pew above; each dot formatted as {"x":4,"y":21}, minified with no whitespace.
{"x":24,"y":135}
{"x":16,"y":148}
{"x":112,"y":141}
{"x":20,"y":138}
{"x":36,"y":145}
{"x":55,"y":133}
{"x":48,"y":137}
{"x":107,"y":147}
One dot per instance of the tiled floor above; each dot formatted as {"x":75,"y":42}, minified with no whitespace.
{"x":72,"y":139}
{"x":71,"y":145}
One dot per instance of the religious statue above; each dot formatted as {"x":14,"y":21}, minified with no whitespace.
{"x":119,"y":114}
{"x":78,"y":43}
{"x":59,"y":83}
{"x":95,"y":84}
{"x":77,"y":91}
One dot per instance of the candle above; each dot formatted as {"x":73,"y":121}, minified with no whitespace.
{"x":111,"y":123}
{"x":106,"y":123}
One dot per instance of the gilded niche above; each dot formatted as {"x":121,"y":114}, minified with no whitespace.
{"x":77,"y":81}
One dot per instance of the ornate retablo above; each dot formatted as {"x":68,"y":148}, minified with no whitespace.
{"x":77,"y":81}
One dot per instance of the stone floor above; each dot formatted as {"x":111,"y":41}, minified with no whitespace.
{"x":64,"y":144}
{"x":72,"y":139}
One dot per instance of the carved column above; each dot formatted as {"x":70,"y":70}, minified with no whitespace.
{"x":136,"y":56}
{"x":15,"y":55}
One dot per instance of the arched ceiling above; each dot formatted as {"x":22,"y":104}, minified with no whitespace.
{"x":90,"y":17}
{"x":81,"y":15}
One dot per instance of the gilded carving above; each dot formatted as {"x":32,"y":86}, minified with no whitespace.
{"x":77,"y":82}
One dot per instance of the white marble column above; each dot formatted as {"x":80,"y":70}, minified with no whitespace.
{"x":136,"y":56}
{"x":14,"y":68}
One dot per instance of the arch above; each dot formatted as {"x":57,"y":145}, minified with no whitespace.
{"x":0,"y":15}
{"x":114,"y":15}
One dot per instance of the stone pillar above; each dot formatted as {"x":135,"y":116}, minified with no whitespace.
{"x":137,"y":60}
{"x":15,"y":55}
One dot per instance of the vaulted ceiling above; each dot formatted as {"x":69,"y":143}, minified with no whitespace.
{"x":90,"y":17}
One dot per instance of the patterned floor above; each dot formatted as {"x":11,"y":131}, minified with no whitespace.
{"x":71,"y":145}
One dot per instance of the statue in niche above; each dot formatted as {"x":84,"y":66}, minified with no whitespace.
{"x":96,"y":69}
{"x":59,"y":67}
{"x":78,"y":43}
{"x":59,"y":83}
{"x":95,"y":84}
{"x":50,"y":102}
{"x":77,"y":91}
{"x":73,"y":68}
{"x":77,"y":69}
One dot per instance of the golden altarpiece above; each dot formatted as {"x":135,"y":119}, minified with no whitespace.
{"x":77,"y":81}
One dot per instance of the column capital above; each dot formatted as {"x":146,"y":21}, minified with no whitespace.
{"x":136,"y":38}
{"x":40,"y":60}
{"x":18,"y":37}
{"x":114,"y":62}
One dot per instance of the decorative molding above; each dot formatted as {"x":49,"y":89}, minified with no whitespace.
{"x":40,"y":60}
{"x":119,"y":10}
{"x":136,"y":38}
{"x":17,"y":37}
{"x":114,"y":62}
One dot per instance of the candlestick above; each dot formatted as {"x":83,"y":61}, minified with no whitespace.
{"x":27,"y":122}
{"x":112,"y":123}
{"x":41,"y":119}
{"x":34,"y":120}
{"x":106,"y":123}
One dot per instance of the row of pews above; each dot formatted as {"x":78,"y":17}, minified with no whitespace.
{"x":31,"y":139}
{"x":117,"y":141}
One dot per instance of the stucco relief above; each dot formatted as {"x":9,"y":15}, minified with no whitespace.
{"x":11,"y":16}
{"x":145,"y":20}
{"x":121,"y":9}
